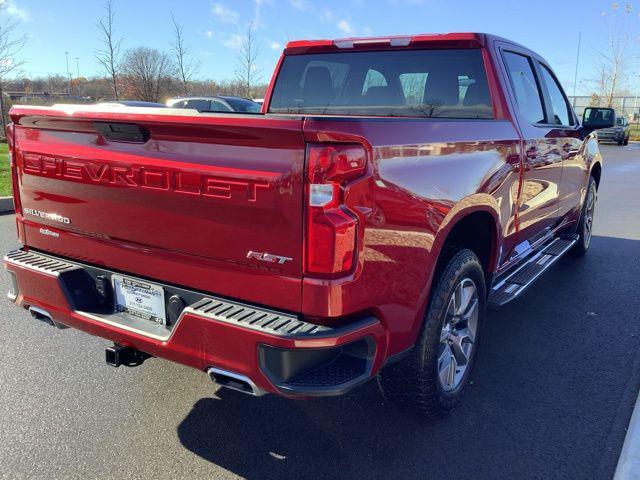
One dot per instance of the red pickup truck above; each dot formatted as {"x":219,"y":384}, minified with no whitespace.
{"x":390,"y":190}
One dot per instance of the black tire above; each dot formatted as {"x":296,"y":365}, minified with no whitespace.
{"x":582,"y":246}
{"x":626,"y":140}
{"x":413,"y":383}
{"x":621,"y":142}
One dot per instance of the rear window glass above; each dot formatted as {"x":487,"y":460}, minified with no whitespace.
{"x":408,"y":83}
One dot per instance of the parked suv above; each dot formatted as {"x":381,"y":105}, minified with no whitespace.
{"x":392,"y":190}
{"x":618,"y":134}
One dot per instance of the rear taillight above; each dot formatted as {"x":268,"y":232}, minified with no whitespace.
{"x":9,"y":133}
{"x":14,"y":169}
{"x":332,"y":229}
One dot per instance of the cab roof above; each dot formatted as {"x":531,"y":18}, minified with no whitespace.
{"x":442,"y":40}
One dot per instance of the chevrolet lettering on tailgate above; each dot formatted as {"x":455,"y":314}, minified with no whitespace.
{"x":185,"y":182}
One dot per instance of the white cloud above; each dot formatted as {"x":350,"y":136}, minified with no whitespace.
{"x":208,"y":33}
{"x":344,"y":26}
{"x":367,"y":31}
{"x":10,"y":7}
{"x":257,"y":12}
{"x":275,"y":45}
{"x":233,"y":41}
{"x":300,"y":4}
{"x":224,"y":13}
{"x":406,"y":2}
{"x":326,"y":15}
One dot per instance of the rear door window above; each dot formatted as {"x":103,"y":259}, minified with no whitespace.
{"x":243,"y":105}
{"x":217,"y":106}
{"x":414,"y":83}
{"x":525,"y":87}
{"x":201,"y":105}
{"x":559,"y":104}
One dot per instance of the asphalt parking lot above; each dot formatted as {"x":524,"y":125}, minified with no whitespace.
{"x":552,"y":393}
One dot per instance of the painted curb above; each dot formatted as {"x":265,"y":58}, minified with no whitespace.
{"x":629,"y":462}
{"x":6,"y":204}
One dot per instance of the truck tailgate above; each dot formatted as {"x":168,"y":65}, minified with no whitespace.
{"x":173,"y":187}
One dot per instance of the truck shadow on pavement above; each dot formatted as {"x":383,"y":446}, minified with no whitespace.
{"x":279,"y":438}
{"x":551,"y":394}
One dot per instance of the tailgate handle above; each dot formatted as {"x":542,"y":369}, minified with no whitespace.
{"x":122,"y":132}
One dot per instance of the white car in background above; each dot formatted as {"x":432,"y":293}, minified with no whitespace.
{"x":217,"y":103}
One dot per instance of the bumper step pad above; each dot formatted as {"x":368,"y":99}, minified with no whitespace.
{"x":512,"y":284}
{"x":267,"y":321}
{"x":264,"y":320}
{"x":41,"y":263}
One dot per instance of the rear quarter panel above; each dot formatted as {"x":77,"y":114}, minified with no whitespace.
{"x":426,"y":175}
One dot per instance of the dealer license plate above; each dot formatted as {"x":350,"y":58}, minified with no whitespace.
{"x":140,"y":298}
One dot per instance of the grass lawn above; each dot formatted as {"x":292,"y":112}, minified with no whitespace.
{"x":635,"y":132}
{"x":5,"y":171}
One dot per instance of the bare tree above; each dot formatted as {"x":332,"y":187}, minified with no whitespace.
{"x":10,"y":44}
{"x":611,"y":78}
{"x":109,"y":55}
{"x":55,"y":84}
{"x":147,"y":73}
{"x":186,"y":68}
{"x":247,"y":72}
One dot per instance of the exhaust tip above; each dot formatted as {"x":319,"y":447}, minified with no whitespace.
{"x":41,"y":315}
{"x":234,"y":381}
{"x":44,"y":316}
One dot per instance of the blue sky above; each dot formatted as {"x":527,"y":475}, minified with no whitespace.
{"x":213,"y":29}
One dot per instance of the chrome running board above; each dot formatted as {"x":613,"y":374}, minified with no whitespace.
{"x":510,"y":285}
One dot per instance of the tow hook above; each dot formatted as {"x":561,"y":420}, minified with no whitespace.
{"x":117,"y":355}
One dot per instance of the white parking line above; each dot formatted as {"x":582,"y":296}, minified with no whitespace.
{"x":629,"y":462}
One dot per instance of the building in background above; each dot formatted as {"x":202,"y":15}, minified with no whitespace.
{"x":628,"y":106}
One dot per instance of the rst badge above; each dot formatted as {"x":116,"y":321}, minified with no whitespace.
{"x":267,"y":257}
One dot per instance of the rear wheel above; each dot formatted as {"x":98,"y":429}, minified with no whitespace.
{"x":432,"y":379}
{"x":585,"y":225}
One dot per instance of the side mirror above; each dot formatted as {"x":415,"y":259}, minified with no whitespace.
{"x":594,"y":118}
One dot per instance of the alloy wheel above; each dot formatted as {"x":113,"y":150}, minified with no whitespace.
{"x":588,"y":215}
{"x":458,"y":335}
